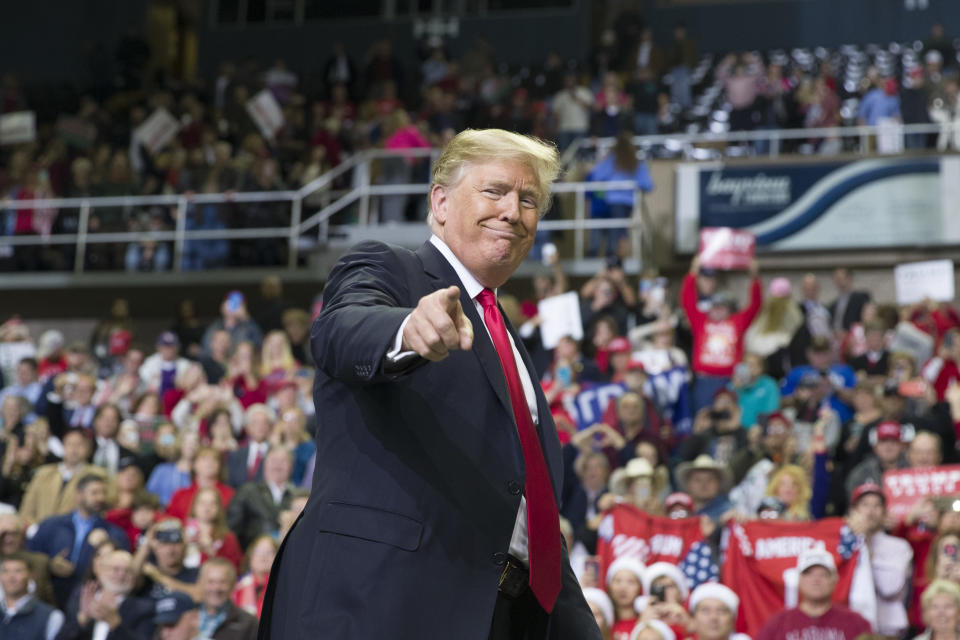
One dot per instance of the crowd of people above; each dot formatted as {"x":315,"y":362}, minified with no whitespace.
{"x":148,"y":487}
{"x":88,"y":145}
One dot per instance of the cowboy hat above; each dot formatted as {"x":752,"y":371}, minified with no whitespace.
{"x":636,"y":468}
{"x":703,"y":462}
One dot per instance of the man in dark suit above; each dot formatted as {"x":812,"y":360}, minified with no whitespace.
{"x":434,"y":504}
{"x":70,"y":539}
{"x":107,"y":452}
{"x":848,"y":307}
{"x":246,"y":463}
{"x":255,"y":509}
{"x":106,"y":609}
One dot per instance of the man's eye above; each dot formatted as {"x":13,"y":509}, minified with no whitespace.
{"x":529,"y":202}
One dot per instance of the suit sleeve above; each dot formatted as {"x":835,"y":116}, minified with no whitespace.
{"x":572,"y":618}
{"x":363,"y":307}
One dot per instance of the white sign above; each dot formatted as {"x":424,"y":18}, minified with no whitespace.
{"x":266,"y":113}
{"x":157,"y":131}
{"x":561,"y":318}
{"x":17,"y":127}
{"x":917,"y":281}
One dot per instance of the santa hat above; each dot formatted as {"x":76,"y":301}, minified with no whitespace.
{"x":672,"y":571}
{"x":633,"y":565}
{"x":715,"y":591}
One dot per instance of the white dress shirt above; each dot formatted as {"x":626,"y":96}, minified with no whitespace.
{"x":108,"y":454}
{"x":256,"y":447}
{"x":518,"y":540}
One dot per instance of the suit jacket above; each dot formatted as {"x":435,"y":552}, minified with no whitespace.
{"x":46,"y":495}
{"x":237,"y":467}
{"x":252,"y":512}
{"x":56,"y":534}
{"x":136,"y":621}
{"x":238,"y":625}
{"x":418,"y":475}
{"x":854,"y":308}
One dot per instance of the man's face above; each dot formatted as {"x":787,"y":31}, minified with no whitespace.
{"x":924,"y":452}
{"x":132,"y":361}
{"x":93,"y":498}
{"x":595,"y":473}
{"x":703,"y":485}
{"x":220,"y":344}
{"x":816,"y":584}
{"x":14,"y":578}
{"x":630,"y":408}
{"x":489,"y":218}
{"x":276,"y":467}
{"x":83,"y":392}
{"x":841,"y":279}
{"x":169,"y":556}
{"x":107,"y":423}
{"x":215,"y":586}
{"x":887,"y":451}
{"x":11,"y":534}
{"x":810,"y":288}
{"x":873,"y":510}
{"x":75,"y":448}
{"x":26,"y":373}
{"x":719,"y":313}
{"x":713,"y":620}
{"x":258,"y":426}
{"x":117,"y":573}
{"x":167,"y":352}
{"x":820,"y":360}
{"x":874,"y":340}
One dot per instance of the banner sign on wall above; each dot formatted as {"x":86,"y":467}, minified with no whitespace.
{"x":904,"y":488}
{"x":879,"y":202}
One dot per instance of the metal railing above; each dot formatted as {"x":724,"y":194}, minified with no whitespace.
{"x":363,"y":190}
{"x":766,"y":142}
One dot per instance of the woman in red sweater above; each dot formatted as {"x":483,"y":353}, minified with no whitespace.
{"x":207,"y":532}
{"x":206,"y":475}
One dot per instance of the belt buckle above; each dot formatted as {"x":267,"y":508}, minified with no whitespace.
{"x":514,"y":579}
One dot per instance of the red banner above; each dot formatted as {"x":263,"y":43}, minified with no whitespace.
{"x":762,"y":559}
{"x":903,"y":488}
{"x":725,"y":248}
{"x":628,"y":531}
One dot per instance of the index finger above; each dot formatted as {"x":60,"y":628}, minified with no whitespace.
{"x":464,"y":328}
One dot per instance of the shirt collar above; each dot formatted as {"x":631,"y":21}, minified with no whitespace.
{"x":79,"y":519}
{"x":470,"y":284}
{"x":17,"y":606}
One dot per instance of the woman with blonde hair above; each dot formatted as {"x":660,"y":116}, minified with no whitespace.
{"x":276,"y":358}
{"x":791,"y":486}
{"x":941,"y":611}
{"x":250,"y":589}
{"x":243,"y":373}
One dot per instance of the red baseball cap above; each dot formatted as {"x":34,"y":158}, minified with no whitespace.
{"x":889,"y":430}
{"x":619,"y":345}
{"x":678,"y":499}
{"x":636,"y":365}
{"x":864,"y":489}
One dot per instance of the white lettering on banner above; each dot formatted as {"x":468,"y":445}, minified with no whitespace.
{"x":629,"y":546}
{"x":665,"y":545}
{"x":816,"y":633}
{"x":757,"y":190}
{"x":936,"y":482}
{"x":784,"y":547}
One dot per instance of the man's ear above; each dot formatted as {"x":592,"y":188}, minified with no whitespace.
{"x":438,"y":203}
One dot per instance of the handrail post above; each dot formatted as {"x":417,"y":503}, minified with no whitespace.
{"x":636,"y":227}
{"x":579,"y":208}
{"x":295,"y":213}
{"x":81,"y":254}
{"x":364,"y":168}
{"x":181,"y":228}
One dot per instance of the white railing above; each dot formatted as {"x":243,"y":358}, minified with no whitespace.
{"x":363,"y":190}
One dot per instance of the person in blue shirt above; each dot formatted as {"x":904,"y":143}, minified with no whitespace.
{"x":620,"y":164}
{"x":836,"y":380}
{"x":879,"y":102}
{"x":70,"y":539}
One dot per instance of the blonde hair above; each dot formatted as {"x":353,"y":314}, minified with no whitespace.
{"x":284,"y":361}
{"x":800,"y":509}
{"x":474,"y":146}
{"x":938,"y":588}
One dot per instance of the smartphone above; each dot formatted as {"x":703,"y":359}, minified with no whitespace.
{"x":234,"y":301}
{"x":564,"y":376}
{"x":658,"y":593}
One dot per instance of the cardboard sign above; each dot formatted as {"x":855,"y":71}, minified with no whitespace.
{"x":904,"y":488}
{"x":157,"y":131}
{"x":725,"y":248}
{"x":917,"y":281}
{"x":76,"y":132}
{"x":561,"y":317}
{"x":17,"y":127}
{"x":266,"y":113}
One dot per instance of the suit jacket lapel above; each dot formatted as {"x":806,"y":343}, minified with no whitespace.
{"x":437,"y":267}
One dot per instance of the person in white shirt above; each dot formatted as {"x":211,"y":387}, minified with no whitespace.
{"x":571,"y":110}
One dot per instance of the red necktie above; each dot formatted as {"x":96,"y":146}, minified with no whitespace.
{"x":543,"y":520}
{"x":252,"y":471}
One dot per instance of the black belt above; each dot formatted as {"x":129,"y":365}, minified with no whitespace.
{"x":515,"y":579}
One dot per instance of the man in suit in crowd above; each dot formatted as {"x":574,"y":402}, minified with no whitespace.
{"x":434,"y":504}
{"x":848,"y":307}
{"x":70,"y":539}
{"x":217,"y":617}
{"x":246,"y":463}
{"x":107,"y":452}
{"x":255,"y":509}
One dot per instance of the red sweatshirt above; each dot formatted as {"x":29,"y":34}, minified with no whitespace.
{"x":717,"y":346}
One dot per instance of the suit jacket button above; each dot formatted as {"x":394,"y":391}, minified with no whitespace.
{"x":514,"y":487}
{"x":499,"y":558}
